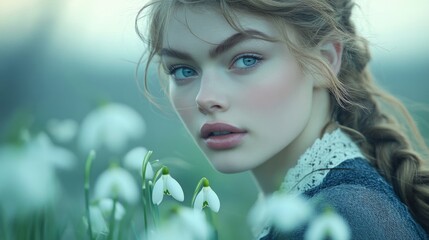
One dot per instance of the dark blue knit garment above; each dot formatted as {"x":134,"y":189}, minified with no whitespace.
{"x":368,"y":203}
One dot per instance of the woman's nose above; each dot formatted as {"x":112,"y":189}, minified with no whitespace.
{"x":212,"y":95}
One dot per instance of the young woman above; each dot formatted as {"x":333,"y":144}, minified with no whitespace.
{"x":282,"y":89}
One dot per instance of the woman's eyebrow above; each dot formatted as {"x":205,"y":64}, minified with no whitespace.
{"x":224,"y":46}
{"x":169,"y":52}
{"x":233,"y":40}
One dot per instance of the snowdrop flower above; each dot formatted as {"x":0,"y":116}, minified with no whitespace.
{"x":100,"y":212}
{"x":112,"y":125}
{"x":42,"y":148}
{"x":98,"y":222}
{"x":283,"y":211}
{"x":166,"y":185}
{"x":188,"y":223}
{"x":106,"y":207}
{"x":207,"y":198}
{"x":27,"y":183}
{"x":134,"y":160}
{"x":296,"y":208}
{"x":117,"y":182}
{"x":63,"y":131}
{"x":328,"y":225}
{"x":258,"y":216}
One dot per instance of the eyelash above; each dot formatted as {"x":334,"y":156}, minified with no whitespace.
{"x":170,"y":70}
{"x":258,"y":58}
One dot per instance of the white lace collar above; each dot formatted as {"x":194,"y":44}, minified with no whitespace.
{"x":312,"y":167}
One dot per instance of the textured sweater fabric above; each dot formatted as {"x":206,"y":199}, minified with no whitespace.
{"x":367,"y":202}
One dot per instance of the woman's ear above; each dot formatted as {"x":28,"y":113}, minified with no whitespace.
{"x":333,"y":51}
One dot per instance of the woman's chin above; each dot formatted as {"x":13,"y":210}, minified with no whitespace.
{"x":229,"y":168}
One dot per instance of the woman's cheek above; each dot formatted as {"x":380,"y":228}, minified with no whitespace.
{"x":183,"y":106}
{"x":275,"y":90}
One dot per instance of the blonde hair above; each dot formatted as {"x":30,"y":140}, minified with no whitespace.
{"x":358,"y":105}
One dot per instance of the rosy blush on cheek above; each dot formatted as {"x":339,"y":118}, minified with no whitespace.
{"x":274,"y":92}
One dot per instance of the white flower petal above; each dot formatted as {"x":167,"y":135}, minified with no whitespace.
{"x":134,"y":158}
{"x":106,"y":206}
{"x":27,"y":182}
{"x":112,"y":125}
{"x":63,"y":131}
{"x":158,"y":191}
{"x":199,"y":201}
{"x":117,"y":182}
{"x":187,"y":224}
{"x":90,"y":134}
{"x":175,"y":189}
{"x":195,"y":222}
{"x":149,"y":171}
{"x":98,"y":223}
{"x":212,"y":199}
{"x":329,"y":225}
{"x":288,"y":212}
{"x":42,"y":147}
{"x":258,"y":217}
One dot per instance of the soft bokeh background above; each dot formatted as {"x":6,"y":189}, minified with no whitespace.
{"x":62,"y":59}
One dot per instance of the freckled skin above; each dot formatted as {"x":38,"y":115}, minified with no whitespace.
{"x":273,"y":100}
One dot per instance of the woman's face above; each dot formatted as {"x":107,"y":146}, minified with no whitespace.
{"x":243,"y":99}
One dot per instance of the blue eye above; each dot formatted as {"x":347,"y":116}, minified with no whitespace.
{"x":182,"y":73}
{"x":246,"y":61}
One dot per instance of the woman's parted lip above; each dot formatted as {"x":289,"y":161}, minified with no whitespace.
{"x":210,"y":129}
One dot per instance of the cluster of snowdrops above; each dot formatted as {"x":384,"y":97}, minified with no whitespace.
{"x":119,"y":204}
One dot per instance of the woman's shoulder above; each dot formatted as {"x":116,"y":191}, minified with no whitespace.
{"x":356,"y":171}
{"x":368,"y":203}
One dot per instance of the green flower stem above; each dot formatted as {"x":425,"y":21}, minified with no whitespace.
{"x":212,"y":221}
{"x":112,"y":220}
{"x":144,"y":203}
{"x":88,"y":165}
{"x":144,"y":166}
{"x":149,"y":208}
{"x":153,"y":208}
{"x":155,"y":211}
{"x":197,"y":189}
{"x":159,"y":172}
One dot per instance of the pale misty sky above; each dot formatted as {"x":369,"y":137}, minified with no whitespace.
{"x":105,"y":28}
{"x":395,"y":27}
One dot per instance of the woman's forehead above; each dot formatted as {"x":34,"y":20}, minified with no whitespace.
{"x":210,"y":26}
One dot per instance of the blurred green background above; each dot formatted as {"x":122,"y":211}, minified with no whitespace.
{"x":62,"y":59}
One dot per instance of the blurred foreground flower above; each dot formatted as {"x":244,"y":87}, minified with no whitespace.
{"x":100,"y":212}
{"x":329,"y":225}
{"x":42,"y":148}
{"x":106,"y":207}
{"x":63,"y":131}
{"x":112,"y":125}
{"x":134,"y":160}
{"x":207,"y":198}
{"x":168,"y":186}
{"x":185,"y":224}
{"x":283,"y":211}
{"x":27,"y":180}
{"x":98,"y":223}
{"x":116,"y":182}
